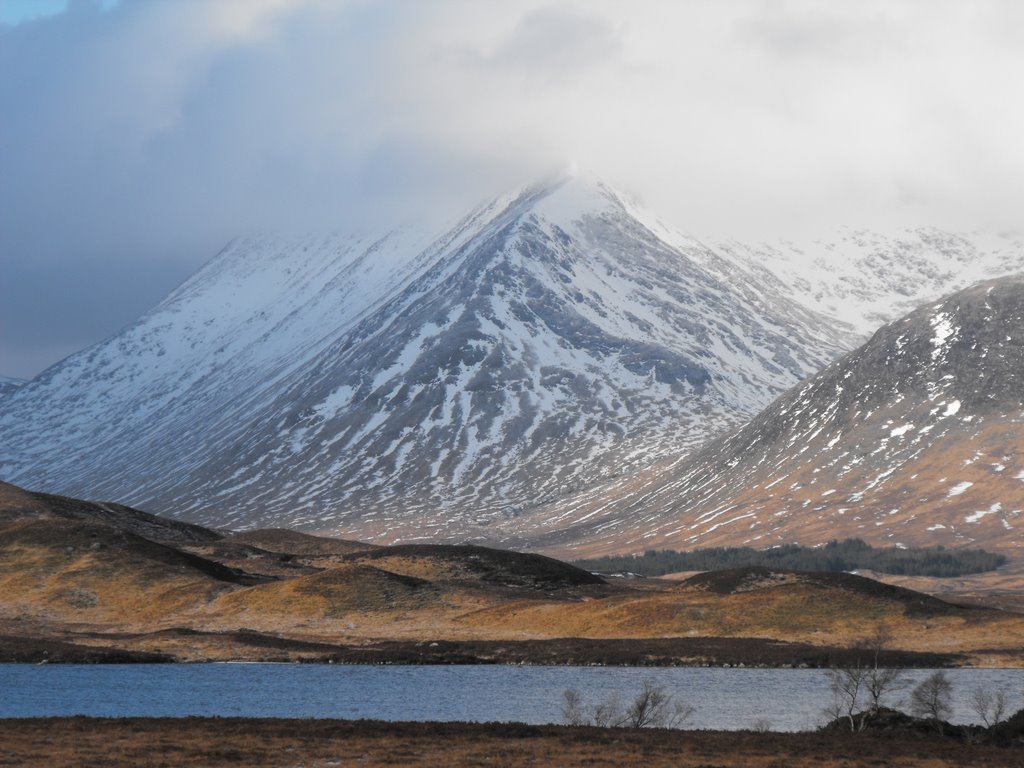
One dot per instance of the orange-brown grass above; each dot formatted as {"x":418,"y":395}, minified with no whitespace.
{"x":86,"y":583}
{"x":347,"y":602}
{"x":331,"y":594}
{"x":247,"y":743}
{"x":67,"y":571}
{"x":793,"y":610}
{"x":326,"y":599}
{"x":296,"y":543}
{"x":431,"y":568}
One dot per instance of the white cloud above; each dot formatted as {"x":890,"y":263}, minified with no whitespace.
{"x":156,"y":130}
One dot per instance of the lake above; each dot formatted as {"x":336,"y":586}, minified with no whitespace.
{"x":788,"y":699}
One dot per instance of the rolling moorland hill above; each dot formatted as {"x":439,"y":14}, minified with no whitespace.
{"x":19,"y":505}
{"x":915,"y":438}
{"x":86,"y":586}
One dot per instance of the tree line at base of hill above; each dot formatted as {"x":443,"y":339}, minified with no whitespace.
{"x":846,"y":555}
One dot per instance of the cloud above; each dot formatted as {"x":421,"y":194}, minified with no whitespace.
{"x":136,"y":141}
{"x":555,"y":45}
{"x":830,"y":32}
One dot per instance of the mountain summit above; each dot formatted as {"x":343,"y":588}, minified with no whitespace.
{"x":402,"y":385}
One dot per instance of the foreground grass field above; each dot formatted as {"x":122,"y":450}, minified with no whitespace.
{"x":248,"y":743}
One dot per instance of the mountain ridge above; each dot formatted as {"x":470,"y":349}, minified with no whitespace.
{"x":423,"y":387}
{"x":915,"y":438}
{"x":403,"y":385}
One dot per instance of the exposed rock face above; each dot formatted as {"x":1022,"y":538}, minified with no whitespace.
{"x":399,"y":386}
{"x":917,"y":438}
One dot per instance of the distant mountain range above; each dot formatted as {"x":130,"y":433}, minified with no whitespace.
{"x":405,"y":385}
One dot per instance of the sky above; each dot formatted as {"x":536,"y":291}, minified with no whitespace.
{"x":137,"y":137}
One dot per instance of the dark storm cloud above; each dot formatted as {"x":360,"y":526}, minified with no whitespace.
{"x":135,"y":142}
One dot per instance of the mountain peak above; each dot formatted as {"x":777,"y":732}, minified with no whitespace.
{"x":573,"y":196}
{"x":564,"y":197}
{"x":412,"y":390}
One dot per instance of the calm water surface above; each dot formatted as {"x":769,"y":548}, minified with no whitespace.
{"x":789,"y":699}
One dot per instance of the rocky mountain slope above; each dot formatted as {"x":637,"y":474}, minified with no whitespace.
{"x":403,"y":386}
{"x":917,"y":438}
{"x":9,"y":385}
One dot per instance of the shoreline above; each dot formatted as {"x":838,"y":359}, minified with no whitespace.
{"x":250,"y":647}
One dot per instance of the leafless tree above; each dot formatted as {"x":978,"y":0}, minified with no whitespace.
{"x":653,"y":707}
{"x":880,"y":681}
{"x":989,"y":706}
{"x":847,"y":685}
{"x":609,"y":713}
{"x":933,"y":698}
{"x":864,"y":681}
{"x":572,"y":707}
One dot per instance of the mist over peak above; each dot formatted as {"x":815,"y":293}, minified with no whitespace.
{"x":140,"y":137}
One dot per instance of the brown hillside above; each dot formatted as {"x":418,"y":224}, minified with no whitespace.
{"x":93,"y":588}
{"x":329,"y":594}
{"x":752,"y":579}
{"x":296,"y":543}
{"x":19,"y":504}
{"x":59,"y":570}
{"x":479,"y":564}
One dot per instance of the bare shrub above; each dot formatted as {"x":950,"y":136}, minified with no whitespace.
{"x":609,"y":713}
{"x":933,"y":698}
{"x":651,"y":707}
{"x":989,"y":706}
{"x":605,"y":714}
{"x":572,"y":707}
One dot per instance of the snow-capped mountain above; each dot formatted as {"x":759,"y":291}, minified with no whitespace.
{"x":406,"y":386}
{"x":915,"y":438}
{"x":9,"y":385}
{"x":865,"y":279}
